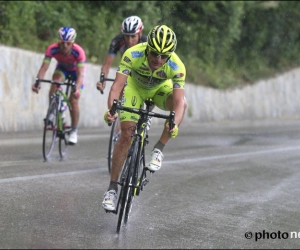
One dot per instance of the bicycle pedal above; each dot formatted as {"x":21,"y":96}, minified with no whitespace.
{"x":151,"y":171}
{"x":145,"y":181}
{"x":111,"y":211}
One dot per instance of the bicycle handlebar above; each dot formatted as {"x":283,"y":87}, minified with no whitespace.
{"x":72,"y":84}
{"x":170,"y":117}
{"x":103,"y":79}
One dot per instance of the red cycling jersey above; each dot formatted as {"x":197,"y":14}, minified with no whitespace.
{"x":70,"y":62}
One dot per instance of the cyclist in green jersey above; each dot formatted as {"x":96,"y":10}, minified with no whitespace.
{"x":152,"y":70}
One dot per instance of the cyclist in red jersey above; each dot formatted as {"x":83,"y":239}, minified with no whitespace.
{"x":131,"y":35}
{"x":71,"y":59}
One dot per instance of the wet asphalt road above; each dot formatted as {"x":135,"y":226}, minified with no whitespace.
{"x":219,"y":183}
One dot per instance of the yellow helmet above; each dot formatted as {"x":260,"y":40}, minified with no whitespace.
{"x":162,"y":39}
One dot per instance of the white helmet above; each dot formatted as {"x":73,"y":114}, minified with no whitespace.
{"x":132,"y":25}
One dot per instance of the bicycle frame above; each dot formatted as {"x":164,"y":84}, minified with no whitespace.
{"x":133,"y":175}
{"x":54,"y":124}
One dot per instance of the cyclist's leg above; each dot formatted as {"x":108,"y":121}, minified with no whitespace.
{"x":163,"y":99}
{"x":131,"y":98}
{"x":58,"y":76}
{"x":74,"y":102}
{"x":118,"y":123}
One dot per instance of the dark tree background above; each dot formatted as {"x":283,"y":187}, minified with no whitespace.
{"x":222,"y":43}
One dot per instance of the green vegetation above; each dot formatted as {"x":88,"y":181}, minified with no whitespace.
{"x":222,"y":43}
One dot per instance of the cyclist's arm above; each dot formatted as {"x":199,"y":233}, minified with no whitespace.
{"x":107,"y":64}
{"x":80,"y":76}
{"x":43,"y":69}
{"x":178,"y":105}
{"x":116,"y":88}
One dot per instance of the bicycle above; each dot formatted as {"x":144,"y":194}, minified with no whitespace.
{"x":54,"y":125}
{"x":133,"y":176}
{"x":114,"y":132}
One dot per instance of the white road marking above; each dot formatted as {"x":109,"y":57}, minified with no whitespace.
{"x":217,"y":157}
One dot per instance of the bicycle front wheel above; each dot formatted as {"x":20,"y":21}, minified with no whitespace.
{"x":127,"y":180}
{"x":135,"y":165}
{"x":124,"y":180}
{"x":50,"y":129}
{"x":114,"y":136}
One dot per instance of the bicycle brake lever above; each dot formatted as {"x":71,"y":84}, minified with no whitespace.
{"x":73,"y":87}
{"x":101,"y":80}
{"x":37,"y":82}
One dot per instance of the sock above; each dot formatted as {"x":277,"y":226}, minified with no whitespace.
{"x":113,"y":185}
{"x":159,"y":146}
{"x":74,"y":128}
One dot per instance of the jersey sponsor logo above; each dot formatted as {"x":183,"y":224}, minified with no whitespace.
{"x":179,"y":75}
{"x":176,"y":86}
{"x":146,"y":73}
{"x":137,"y":54}
{"x":75,"y":53}
{"x":122,"y":118}
{"x":123,"y":64}
{"x":54,"y":51}
{"x":162,"y":74}
{"x":144,"y":68}
{"x":173,"y":65}
{"x":133,"y":100}
{"x":133,"y":118}
{"x":126,"y":72}
{"x":179,"y":81}
{"x":126,"y":59}
{"x":146,"y":81}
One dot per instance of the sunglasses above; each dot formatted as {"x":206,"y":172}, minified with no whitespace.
{"x":62,"y":42}
{"x":162,"y":56}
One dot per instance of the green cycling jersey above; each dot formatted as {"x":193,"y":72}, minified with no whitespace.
{"x":134,"y":63}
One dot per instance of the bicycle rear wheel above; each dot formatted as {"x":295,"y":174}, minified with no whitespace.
{"x":64,"y":141}
{"x":114,"y":136}
{"x":50,"y":129}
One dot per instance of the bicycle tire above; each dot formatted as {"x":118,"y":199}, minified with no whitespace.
{"x":124,"y":180}
{"x":114,"y":136}
{"x":64,"y":141}
{"x":132,"y":180}
{"x":50,"y":129}
{"x":111,"y":146}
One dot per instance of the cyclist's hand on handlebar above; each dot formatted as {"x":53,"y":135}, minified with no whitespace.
{"x":108,"y":118}
{"x":35,"y":89}
{"x":101,"y":86}
{"x":173,"y":132}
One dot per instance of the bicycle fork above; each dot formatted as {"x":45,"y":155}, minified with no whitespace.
{"x":140,"y":169}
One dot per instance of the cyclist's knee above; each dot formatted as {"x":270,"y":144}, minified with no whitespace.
{"x":127,"y":129}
